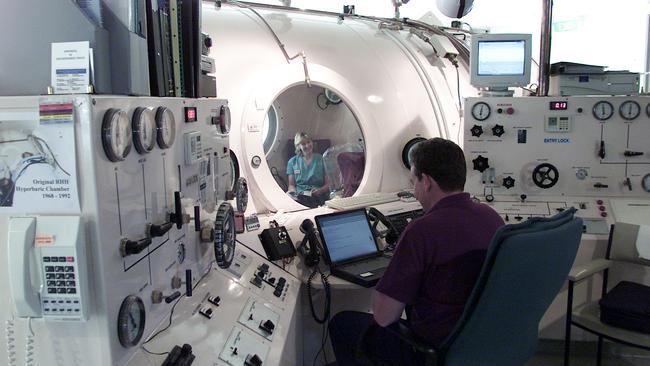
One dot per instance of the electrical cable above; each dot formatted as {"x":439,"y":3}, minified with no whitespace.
{"x":460,"y":103}
{"x":171,"y":314}
{"x":328,"y":296}
{"x":263,"y":256}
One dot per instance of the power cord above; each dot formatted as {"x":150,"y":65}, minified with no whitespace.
{"x":328,"y":296}
{"x":171,"y":314}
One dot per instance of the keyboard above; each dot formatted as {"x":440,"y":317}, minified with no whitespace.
{"x":363,"y":200}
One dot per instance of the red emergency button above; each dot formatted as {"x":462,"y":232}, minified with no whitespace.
{"x":69,"y":259}
{"x":510,"y":110}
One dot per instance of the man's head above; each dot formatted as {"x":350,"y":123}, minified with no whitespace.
{"x":437,"y":170}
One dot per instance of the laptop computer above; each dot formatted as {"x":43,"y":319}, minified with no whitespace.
{"x":349,"y":247}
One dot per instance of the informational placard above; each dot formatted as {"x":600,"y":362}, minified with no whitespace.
{"x":37,"y":161}
{"x":70,"y":67}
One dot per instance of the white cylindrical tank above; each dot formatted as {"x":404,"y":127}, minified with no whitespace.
{"x":392,"y":81}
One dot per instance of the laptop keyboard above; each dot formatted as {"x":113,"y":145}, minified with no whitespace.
{"x":374,"y":265}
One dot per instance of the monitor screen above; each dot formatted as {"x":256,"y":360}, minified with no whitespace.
{"x":346,"y":235}
{"x":500,"y":60}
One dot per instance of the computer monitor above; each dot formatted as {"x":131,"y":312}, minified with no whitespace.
{"x":499,"y":61}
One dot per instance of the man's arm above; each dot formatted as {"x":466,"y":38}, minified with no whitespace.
{"x":386,"y":310}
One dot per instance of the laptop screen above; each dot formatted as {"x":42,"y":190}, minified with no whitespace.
{"x":346,"y":235}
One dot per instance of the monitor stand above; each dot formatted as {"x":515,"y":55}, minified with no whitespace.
{"x":497,"y":92}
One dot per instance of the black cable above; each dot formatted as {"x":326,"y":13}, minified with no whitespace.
{"x":460,"y":103}
{"x":263,"y":256}
{"x":328,"y":296}
{"x":153,"y":353}
{"x":171,"y":314}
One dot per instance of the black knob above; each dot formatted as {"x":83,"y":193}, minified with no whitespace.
{"x":156,"y":230}
{"x":197,"y":218}
{"x":508,"y":182}
{"x":498,"y":130}
{"x":207,"y":41}
{"x":480,"y":163}
{"x":177,"y":216}
{"x":477,"y":130}
{"x":601,"y":151}
{"x":128,"y":247}
{"x":173,"y":297}
{"x":523,"y":197}
{"x":188,"y":282}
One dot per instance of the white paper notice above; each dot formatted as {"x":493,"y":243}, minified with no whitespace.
{"x":37,"y":162}
{"x":70,"y":67}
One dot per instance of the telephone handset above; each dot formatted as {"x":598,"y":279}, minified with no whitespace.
{"x":391,"y":235}
{"x":310,"y":252}
{"x":47,"y":268}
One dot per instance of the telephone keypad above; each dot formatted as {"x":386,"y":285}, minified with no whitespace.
{"x":61,"y":293}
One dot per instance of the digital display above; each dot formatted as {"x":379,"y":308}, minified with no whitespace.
{"x":190,"y":114}
{"x":559,"y":106}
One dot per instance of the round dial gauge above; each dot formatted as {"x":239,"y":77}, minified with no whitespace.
{"x":144,"y":130}
{"x":481,"y":111}
{"x":647,"y":109}
{"x":629,"y":110}
{"x":166,"y":127}
{"x":116,"y":134}
{"x":645,"y":182}
{"x":130,"y":321}
{"x":603,"y":110}
{"x":224,"y":235}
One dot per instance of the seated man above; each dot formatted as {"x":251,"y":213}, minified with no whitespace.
{"x":435,"y":264}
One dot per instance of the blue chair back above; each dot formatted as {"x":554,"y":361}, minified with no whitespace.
{"x":525,"y":267}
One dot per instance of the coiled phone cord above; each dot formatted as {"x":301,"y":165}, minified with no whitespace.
{"x":29,"y":345}
{"x":11,"y":341}
{"x":328,"y":296}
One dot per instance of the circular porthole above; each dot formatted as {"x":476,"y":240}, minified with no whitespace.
{"x":407,"y":148}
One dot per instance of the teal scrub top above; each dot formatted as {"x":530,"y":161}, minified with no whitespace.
{"x":307,"y":176}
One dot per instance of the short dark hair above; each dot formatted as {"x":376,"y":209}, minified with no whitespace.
{"x":442,"y":160}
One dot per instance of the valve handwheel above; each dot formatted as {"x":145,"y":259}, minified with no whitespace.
{"x":545,"y":175}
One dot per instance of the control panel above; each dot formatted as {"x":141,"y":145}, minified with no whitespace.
{"x":554,"y":146}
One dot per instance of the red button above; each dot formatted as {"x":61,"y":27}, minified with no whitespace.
{"x":510,"y":110}
{"x":69,"y":259}
{"x":602,"y":208}
{"x":600,"y":202}
{"x":603,"y":214}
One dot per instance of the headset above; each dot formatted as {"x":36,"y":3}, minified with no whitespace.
{"x":389,"y":236}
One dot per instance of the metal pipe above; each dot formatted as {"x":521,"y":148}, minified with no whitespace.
{"x":545,"y":48}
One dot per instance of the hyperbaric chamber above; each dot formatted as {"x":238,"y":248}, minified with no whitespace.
{"x":392,"y":85}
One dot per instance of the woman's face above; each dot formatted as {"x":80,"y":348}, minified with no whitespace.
{"x":306,"y":146}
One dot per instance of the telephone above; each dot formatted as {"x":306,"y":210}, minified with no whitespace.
{"x":391,"y":235}
{"x":311,"y":252}
{"x":47,"y":267}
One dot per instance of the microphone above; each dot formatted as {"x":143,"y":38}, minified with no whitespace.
{"x":312,"y":257}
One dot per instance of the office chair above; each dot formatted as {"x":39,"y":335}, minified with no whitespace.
{"x":620,"y":248}
{"x":525,"y":267}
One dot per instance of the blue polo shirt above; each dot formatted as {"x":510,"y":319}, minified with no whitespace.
{"x":307,"y":176}
{"x":437,"y":261}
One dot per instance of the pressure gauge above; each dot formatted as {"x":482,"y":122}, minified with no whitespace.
{"x":645,"y":182}
{"x":166,"y":127}
{"x":332,"y":97}
{"x":603,"y":110}
{"x":130,"y":321}
{"x":481,"y":111}
{"x":629,"y":110}
{"x":116,"y":134}
{"x":144,"y":130}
